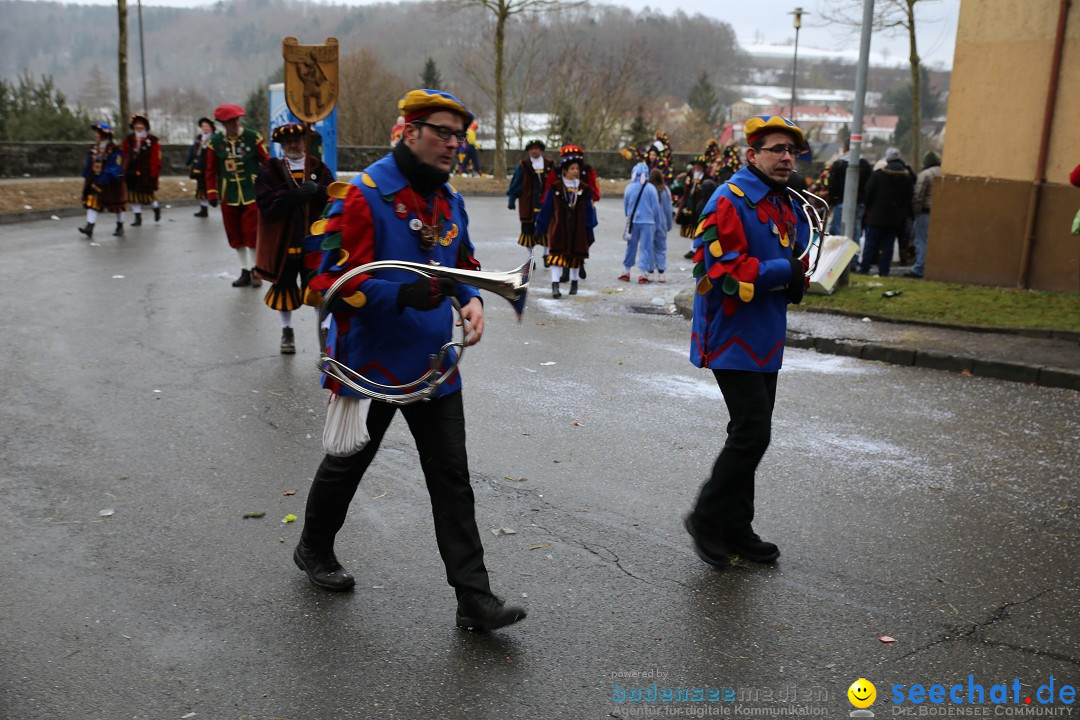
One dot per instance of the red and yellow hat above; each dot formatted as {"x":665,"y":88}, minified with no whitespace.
{"x":288,"y":131}
{"x":420,"y":103}
{"x":224,"y":113}
{"x":761,"y":124}
{"x":569,"y":154}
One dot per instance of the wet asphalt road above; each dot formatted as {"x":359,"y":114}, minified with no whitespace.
{"x":929,"y":507}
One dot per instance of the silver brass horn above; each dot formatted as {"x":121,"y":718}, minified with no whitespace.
{"x":513,"y":286}
{"x":818,"y":228}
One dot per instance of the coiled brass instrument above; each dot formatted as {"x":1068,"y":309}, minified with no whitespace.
{"x":513,"y":286}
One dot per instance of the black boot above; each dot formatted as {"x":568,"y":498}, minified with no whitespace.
{"x":256,"y":281}
{"x":483,"y":612}
{"x":244,"y":280}
{"x":581,"y":271}
{"x":288,"y":342}
{"x":138,"y":220}
{"x":322,"y":569}
{"x":752,"y":547}
{"x":203,"y":212}
{"x":555,"y":290}
{"x":157,"y":214}
{"x":573,"y":287}
{"x":119,"y":231}
{"x":88,"y":231}
{"x":565,"y":277}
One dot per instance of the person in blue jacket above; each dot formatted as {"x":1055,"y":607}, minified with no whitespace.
{"x":664,"y":221}
{"x":641,"y":206}
{"x":747,"y":250}
{"x":386,"y":325}
{"x":103,"y":180}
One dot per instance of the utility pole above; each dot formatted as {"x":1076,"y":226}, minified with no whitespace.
{"x":121,"y":57}
{"x":851,"y":181}
{"x":142,"y":62}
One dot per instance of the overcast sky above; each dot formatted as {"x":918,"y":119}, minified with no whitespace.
{"x":768,"y":21}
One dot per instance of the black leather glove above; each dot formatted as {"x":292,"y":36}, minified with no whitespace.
{"x":213,"y":202}
{"x":308,"y":188}
{"x":425,"y":293}
{"x":511,"y":205}
{"x":797,"y":284}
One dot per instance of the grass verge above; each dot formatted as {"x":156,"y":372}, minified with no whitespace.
{"x":952,"y":303}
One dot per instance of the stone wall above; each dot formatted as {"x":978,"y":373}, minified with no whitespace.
{"x":66,"y":159}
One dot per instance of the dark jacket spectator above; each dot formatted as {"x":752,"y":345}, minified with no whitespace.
{"x":888,"y":195}
{"x":838,"y":180}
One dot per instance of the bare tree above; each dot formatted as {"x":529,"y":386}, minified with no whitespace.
{"x":891,"y":17}
{"x":367,"y":104}
{"x":526,"y":78}
{"x":502,"y":11}
{"x":604,"y":88}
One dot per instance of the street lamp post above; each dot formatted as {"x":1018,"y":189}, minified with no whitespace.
{"x":798,"y":13}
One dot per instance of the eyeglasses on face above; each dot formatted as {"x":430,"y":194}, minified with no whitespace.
{"x":444,"y":133}
{"x":780,"y":149}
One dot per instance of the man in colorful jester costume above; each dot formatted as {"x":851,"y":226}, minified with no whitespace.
{"x":103,"y":180}
{"x":233,"y":160}
{"x":387,"y":324}
{"x":527,"y":191}
{"x":291,"y":194}
{"x":747,"y":265}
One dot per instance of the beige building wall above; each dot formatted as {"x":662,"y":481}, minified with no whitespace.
{"x":997,"y":100}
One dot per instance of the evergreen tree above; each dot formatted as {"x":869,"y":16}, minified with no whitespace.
{"x":703,"y":99}
{"x":430,"y":78}
{"x":33,"y":110}
{"x":639,"y":131}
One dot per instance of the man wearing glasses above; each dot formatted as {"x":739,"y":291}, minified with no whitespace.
{"x":746,"y":253}
{"x":387,"y":325}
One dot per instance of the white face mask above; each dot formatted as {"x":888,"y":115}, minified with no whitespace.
{"x":698,"y":174}
{"x":141,"y":133}
{"x":102,"y":144}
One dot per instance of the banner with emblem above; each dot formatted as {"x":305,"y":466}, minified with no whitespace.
{"x":311,"y":78}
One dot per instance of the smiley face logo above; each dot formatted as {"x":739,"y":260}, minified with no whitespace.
{"x":862,"y":693}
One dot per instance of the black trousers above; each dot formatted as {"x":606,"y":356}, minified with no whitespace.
{"x":438,"y":426}
{"x":725,"y":505}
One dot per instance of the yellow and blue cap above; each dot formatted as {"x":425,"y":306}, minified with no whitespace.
{"x":420,"y":103}
{"x":761,"y":124}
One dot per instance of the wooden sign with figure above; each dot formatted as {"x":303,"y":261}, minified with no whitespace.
{"x":311,"y":78}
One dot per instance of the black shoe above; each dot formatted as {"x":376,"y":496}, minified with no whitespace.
{"x":138,"y":220}
{"x":689,"y":255}
{"x":119,"y":231}
{"x":573,"y":287}
{"x":256,"y":281}
{"x":481,"y":613}
{"x":752,"y":547}
{"x":157,"y":214}
{"x":911,"y":274}
{"x":716,"y":554}
{"x":203,"y":212}
{"x":323,"y":569}
{"x":288,"y":342}
{"x":565,"y":277}
{"x":244,"y":280}
{"x":555,"y":290}
{"x":88,"y":231}
{"x":581,"y":271}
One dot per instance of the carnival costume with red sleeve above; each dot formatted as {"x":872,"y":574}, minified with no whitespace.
{"x":142,"y":169}
{"x":745,"y":242}
{"x":375,"y":220}
{"x":527,"y":192}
